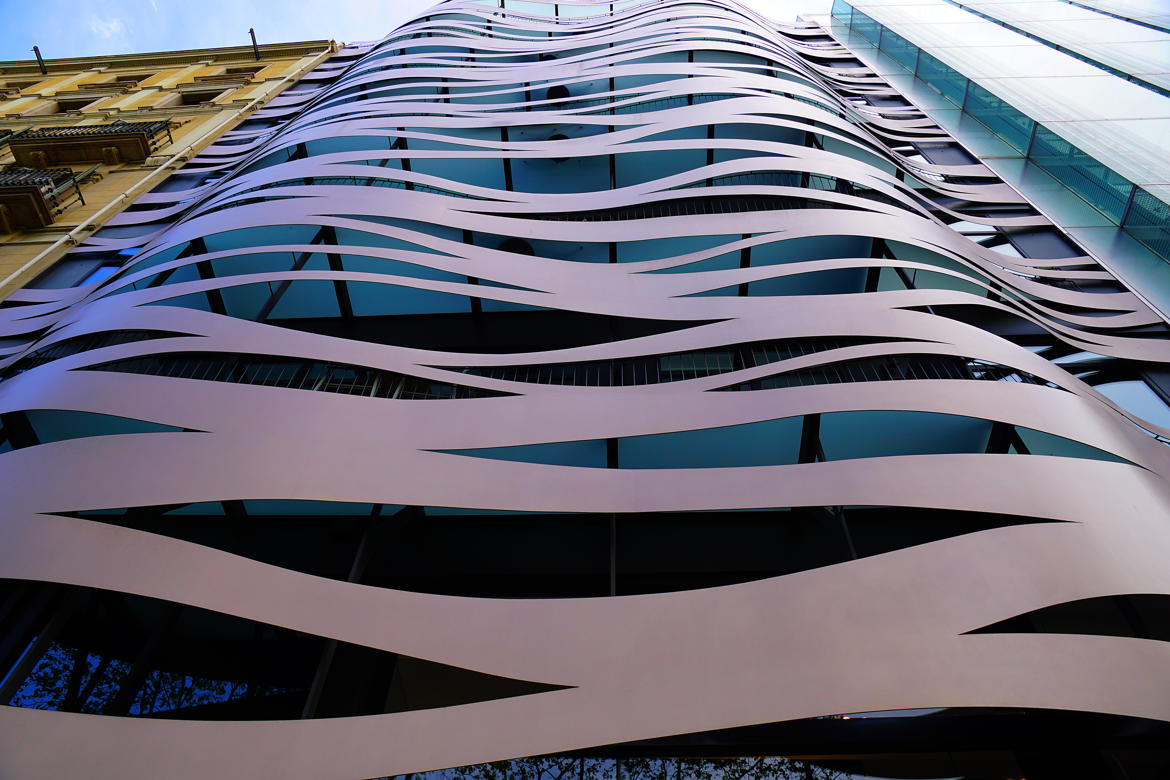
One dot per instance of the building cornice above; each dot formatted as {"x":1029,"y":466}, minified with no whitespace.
{"x":268,"y":51}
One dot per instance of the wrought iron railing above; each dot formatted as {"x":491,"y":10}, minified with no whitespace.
{"x":59,"y":187}
{"x":154,"y":131}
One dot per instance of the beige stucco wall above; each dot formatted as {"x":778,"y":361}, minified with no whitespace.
{"x":157,"y":94}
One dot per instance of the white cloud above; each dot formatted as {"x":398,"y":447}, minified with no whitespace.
{"x":105,"y":28}
{"x":154,"y":5}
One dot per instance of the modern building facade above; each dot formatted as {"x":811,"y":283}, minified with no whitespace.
{"x":585,"y":390}
{"x":1066,"y":101}
{"x":82,"y":138}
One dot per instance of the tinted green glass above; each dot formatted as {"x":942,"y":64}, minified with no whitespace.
{"x":842,"y":11}
{"x":1148,"y":220}
{"x":904,"y":52}
{"x":866,"y":26}
{"x":1103,"y":188}
{"x":949,"y":82}
{"x":1004,"y":121}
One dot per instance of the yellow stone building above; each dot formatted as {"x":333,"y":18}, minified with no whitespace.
{"x":81,"y":138}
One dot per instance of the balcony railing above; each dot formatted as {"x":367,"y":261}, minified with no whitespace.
{"x":32,"y":198}
{"x":41,"y":147}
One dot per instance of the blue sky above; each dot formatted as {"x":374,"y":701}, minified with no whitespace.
{"x":79,"y":28}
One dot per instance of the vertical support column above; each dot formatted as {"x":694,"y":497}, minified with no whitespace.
{"x":282,"y":288}
{"x":340,"y":288}
{"x":811,"y":451}
{"x":476,"y":302}
{"x":745,"y":261}
{"x":361,"y":560}
{"x":507,"y":160}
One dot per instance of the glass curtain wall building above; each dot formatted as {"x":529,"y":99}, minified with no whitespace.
{"x":585,"y":390}
{"x":1067,"y":101}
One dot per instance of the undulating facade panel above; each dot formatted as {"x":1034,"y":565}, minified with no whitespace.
{"x":632,"y":382}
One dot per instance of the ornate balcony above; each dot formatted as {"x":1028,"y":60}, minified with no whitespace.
{"x":31,"y":198}
{"x":41,"y":147}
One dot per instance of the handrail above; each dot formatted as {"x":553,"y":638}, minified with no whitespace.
{"x":87,"y":131}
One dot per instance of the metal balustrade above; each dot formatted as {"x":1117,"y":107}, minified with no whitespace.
{"x":119,"y":141}
{"x":293,"y":373}
{"x":672,"y":367}
{"x":894,"y":368}
{"x":32,"y":198}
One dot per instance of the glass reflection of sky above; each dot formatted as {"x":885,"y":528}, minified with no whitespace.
{"x":580,"y":768}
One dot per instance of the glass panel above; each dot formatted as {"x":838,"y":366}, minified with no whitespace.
{"x":866,"y":26}
{"x":949,"y":82}
{"x":61,"y":424}
{"x":562,"y":453}
{"x":842,"y":11}
{"x":904,"y":52}
{"x":1148,"y":220}
{"x":772,"y":442}
{"x":1007,"y":122}
{"x":245,"y":301}
{"x":1136,"y":397}
{"x":1041,"y":443}
{"x":871,"y":434}
{"x":100,"y":274}
{"x":1103,"y":188}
